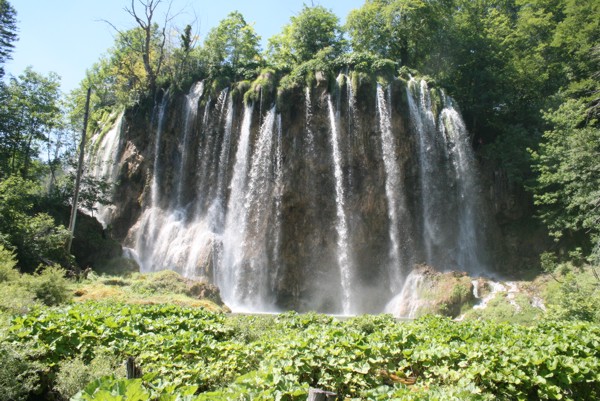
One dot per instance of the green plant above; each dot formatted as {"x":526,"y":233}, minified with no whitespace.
{"x":16,"y":298}
{"x":184,"y":350}
{"x":165,"y":281}
{"x":19,"y":372}
{"x":576,"y":296}
{"x":8,"y":263}
{"x":49,"y":285}
{"x":74,"y":374}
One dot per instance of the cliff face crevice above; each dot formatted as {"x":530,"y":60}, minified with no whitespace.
{"x":324,"y":202}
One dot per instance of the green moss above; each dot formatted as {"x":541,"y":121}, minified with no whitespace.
{"x":240,"y":88}
{"x":163,"y":282}
{"x":503,"y":309}
{"x":264,"y":84}
{"x":445,"y":294}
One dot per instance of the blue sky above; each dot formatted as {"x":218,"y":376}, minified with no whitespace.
{"x":68,"y":36}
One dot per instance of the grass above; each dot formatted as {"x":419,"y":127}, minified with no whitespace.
{"x":146,"y":289}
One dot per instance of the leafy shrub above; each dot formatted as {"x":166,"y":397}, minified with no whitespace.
{"x":49,"y":285}
{"x":576,"y":296}
{"x":16,"y":299}
{"x":164,"y":282}
{"x":75,"y":374}
{"x":35,"y":236}
{"x":18,"y":372}
{"x":7,"y":265}
{"x":365,"y":358}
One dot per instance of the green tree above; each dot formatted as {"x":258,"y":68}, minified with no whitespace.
{"x":408,"y":31}
{"x":8,"y":32}
{"x":30,"y":111}
{"x":33,"y":235}
{"x":232,"y":48}
{"x":567,"y":190}
{"x":314,"y":30}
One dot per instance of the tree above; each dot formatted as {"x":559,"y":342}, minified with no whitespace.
{"x":412,"y":32}
{"x":314,"y":30}
{"x":33,"y":235}
{"x":567,"y":189}
{"x":31,"y":110}
{"x":145,"y":43}
{"x":150,"y":45}
{"x":232,"y":47}
{"x":8,"y":29}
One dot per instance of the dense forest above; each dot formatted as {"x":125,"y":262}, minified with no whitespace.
{"x":526,"y":76}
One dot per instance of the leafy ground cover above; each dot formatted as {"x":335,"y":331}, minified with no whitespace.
{"x":194,"y":354}
{"x":165,"y":287}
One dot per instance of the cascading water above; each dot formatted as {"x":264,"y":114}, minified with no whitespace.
{"x":105,"y":150}
{"x":251,"y":199}
{"x":341,"y":225}
{"x":450,"y":200}
{"x":232,"y":236}
{"x":472,"y":230}
{"x":216,"y":212}
{"x":393,"y":191}
{"x":278,"y":192}
{"x":433,"y":185}
{"x":245,"y":249}
{"x":190,"y":112}
{"x":407,"y":302}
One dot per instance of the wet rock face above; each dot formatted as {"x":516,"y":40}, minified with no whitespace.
{"x":252,"y":198}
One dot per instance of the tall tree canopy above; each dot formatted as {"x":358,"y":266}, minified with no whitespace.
{"x":30,"y":111}
{"x":8,"y":32}
{"x":232,"y":48}
{"x":314,"y":30}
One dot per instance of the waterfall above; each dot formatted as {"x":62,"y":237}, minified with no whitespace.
{"x":310,"y":136}
{"x":471,"y":219}
{"x":162,"y":108}
{"x":105,"y":149}
{"x":208,"y":153}
{"x":252,"y":280}
{"x":406,"y":304}
{"x":233,"y":235}
{"x":327,"y":208}
{"x":341,"y":225}
{"x":278,"y":193}
{"x":423,"y":122}
{"x":146,"y":234}
{"x":393,"y":190}
{"x":190,"y":112}
{"x":451,"y":205}
{"x":216,"y":211}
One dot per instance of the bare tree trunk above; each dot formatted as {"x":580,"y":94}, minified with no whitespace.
{"x":146,"y":23}
{"x":315,"y":394}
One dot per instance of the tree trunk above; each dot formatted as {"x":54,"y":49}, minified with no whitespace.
{"x":315,"y":394}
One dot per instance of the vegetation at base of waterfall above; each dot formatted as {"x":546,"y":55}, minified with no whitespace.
{"x":21,"y":293}
{"x":62,"y":339}
{"x":77,"y":350}
{"x":164,"y":287}
{"x":447,"y":294}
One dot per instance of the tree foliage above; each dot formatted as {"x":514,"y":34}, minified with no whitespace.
{"x":568,"y":162}
{"x":33,"y":235}
{"x":232,"y":48}
{"x":314,"y":32}
{"x":8,"y":32}
{"x":30,"y":111}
